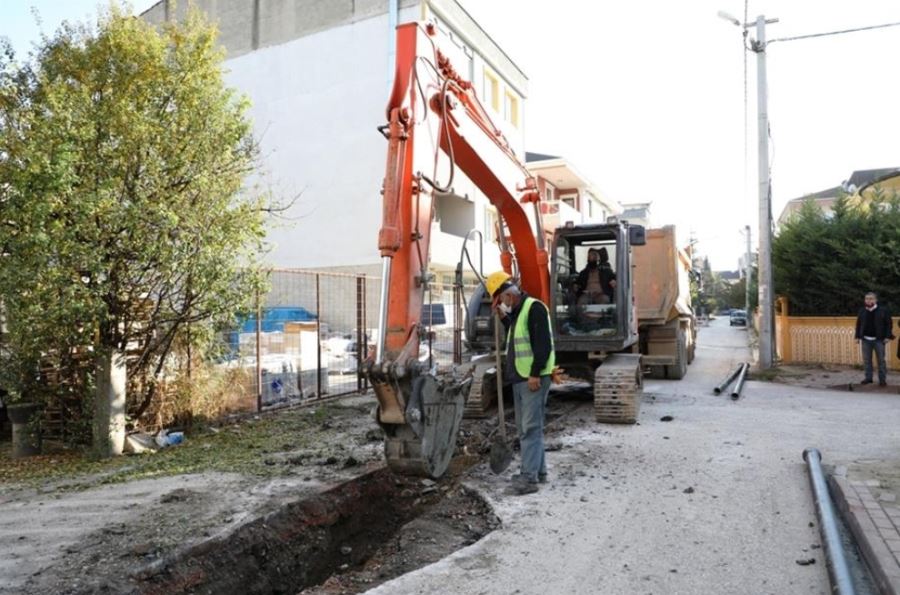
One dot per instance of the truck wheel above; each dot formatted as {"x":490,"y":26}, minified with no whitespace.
{"x":677,"y":370}
{"x":692,"y":350}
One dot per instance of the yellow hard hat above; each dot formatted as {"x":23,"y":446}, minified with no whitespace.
{"x":496,"y":281}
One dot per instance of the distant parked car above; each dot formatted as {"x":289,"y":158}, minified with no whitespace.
{"x":737,"y":318}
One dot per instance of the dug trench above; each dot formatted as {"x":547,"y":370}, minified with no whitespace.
{"x":347,"y":539}
{"x":234,"y":533}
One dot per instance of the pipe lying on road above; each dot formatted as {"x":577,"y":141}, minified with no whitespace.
{"x":739,"y":385}
{"x":838,"y":571}
{"x":718,"y":390}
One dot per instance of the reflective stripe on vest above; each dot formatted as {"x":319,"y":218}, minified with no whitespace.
{"x":520,"y":339}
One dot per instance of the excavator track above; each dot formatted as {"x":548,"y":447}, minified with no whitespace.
{"x":483,"y":392}
{"x":618,"y":388}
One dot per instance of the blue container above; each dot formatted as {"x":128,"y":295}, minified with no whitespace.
{"x":273,"y":320}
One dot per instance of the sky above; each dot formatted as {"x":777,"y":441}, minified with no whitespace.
{"x":646,"y":98}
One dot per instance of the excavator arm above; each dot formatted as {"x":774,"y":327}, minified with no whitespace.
{"x":433,"y":113}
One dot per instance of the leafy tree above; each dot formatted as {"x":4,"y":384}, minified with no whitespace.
{"x":736,"y":296}
{"x":712,"y":291}
{"x":125,"y":216}
{"x":824,"y":264}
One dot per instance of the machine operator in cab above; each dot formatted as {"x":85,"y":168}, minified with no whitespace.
{"x":530,"y":361}
{"x":597,"y":282}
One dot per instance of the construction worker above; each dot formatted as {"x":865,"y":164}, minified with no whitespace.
{"x":529,"y":365}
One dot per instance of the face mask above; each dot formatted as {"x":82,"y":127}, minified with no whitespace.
{"x":504,"y":308}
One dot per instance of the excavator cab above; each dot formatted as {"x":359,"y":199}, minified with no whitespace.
{"x":591,"y":290}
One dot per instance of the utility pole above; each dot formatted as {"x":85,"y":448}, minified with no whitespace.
{"x":766,"y":296}
{"x":766,"y":286}
{"x":747,"y":269}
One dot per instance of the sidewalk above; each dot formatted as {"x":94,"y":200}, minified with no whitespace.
{"x":870,"y":508}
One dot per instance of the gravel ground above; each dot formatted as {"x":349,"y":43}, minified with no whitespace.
{"x":715,"y":500}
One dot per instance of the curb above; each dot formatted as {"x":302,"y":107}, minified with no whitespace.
{"x":875,"y":528}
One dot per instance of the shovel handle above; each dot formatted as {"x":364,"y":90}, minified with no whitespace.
{"x":500,"y":413}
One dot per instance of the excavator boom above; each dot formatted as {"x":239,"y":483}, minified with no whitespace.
{"x":433,"y":114}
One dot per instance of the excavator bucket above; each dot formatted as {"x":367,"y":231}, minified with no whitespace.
{"x":425,"y":444}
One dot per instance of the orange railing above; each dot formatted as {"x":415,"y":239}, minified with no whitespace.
{"x":822,"y":340}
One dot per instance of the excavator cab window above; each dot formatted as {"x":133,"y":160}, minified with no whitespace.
{"x":586,"y":294}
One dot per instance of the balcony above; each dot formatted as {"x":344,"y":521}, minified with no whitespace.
{"x":557,"y":213}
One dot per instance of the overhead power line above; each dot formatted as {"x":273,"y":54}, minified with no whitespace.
{"x":835,"y":32}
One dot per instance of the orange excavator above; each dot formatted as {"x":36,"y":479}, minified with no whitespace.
{"x":433,"y":110}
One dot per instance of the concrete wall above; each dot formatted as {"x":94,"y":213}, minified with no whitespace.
{"x":316,"y":103}
{"x":247,"y":25}
{"x":318,"y":73}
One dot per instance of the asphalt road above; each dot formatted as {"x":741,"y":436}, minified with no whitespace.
{"x":715,"y":501}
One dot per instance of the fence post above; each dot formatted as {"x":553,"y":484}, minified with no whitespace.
{"x":258,"y":353}
{"x":457,"y":322}
{"x":365,"y":317}
{"x":189,"y":352}
{"x":360,"y":331}
{"x":784,"y":321}
{"x":318,"y":341}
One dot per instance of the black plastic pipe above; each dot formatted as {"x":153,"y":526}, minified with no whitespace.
{"x":718,"y":390}
{"x":838,"y":571}
{"x":739,"y":385}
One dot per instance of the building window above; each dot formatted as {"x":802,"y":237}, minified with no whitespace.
{"x":511,"y":109}
{"x":549,"y":191}
{"x":491,"y":91}
{"x":590,"y":209}
{"x":569,"y":199}
{"x":490,"y":225}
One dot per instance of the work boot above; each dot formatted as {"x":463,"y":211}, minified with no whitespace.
{"x":866,"y":382}
{"x":517,"y":478}
{"x":524,"y":487}
{"x":882,"y":383}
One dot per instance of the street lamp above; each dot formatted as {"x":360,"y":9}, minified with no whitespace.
{"x":764,"y":275}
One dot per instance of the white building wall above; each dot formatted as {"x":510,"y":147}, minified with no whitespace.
{"x":316,"y":102}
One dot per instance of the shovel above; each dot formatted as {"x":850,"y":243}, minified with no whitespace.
{"x":501,"y":454}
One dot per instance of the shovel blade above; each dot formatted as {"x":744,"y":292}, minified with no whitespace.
{"x":501,"y":455}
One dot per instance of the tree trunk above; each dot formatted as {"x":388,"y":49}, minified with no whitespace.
{"x":109,"y":403}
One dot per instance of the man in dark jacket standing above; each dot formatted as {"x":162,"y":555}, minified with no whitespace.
{"x":873,"y":331}
{"x":529,"y":366}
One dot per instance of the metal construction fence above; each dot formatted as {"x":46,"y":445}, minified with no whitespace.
{"x":312,"y":328}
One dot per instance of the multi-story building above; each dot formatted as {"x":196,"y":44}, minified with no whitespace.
{"x":861,"y":182}
{"x":318,"y":74}
{"x":568,"y":195}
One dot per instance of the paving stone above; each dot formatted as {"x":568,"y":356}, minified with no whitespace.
{"x":873,"y":483}
{"x":875,"y":542}
{"x":888,"y":533}
{"x":893,"y":545}
{"x":887,"y":497}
